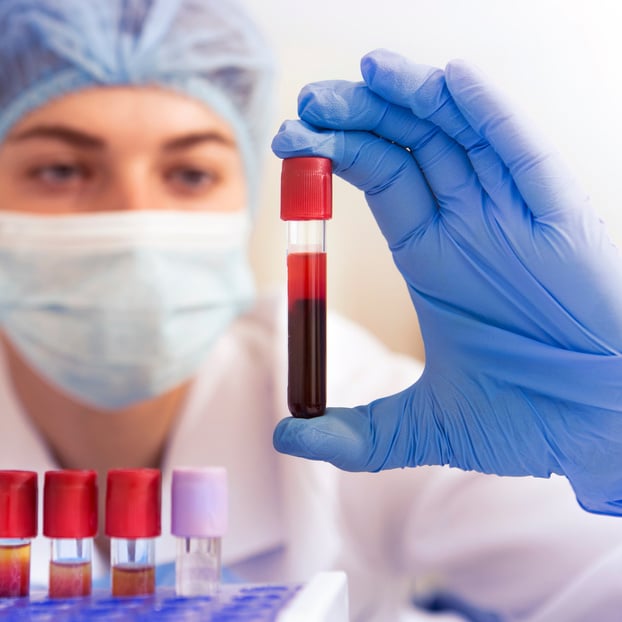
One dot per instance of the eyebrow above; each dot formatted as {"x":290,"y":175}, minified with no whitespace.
{"x":191,"y":140}
{"x":65,"y":134}
{"x":78,"y":138}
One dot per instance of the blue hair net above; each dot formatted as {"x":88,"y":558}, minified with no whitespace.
{"x":208,"y":49}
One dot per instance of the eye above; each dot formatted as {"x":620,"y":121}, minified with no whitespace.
{"x":191,"y":179}
{"x":59,"y":174}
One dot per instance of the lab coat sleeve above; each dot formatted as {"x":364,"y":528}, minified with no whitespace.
{"x":511,"y":546}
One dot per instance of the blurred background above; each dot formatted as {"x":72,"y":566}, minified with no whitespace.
{"x":558,"y":60}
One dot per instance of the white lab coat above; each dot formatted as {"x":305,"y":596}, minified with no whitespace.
{"x":520,"y":547}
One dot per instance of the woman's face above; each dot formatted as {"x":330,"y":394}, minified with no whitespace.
{"x":121,"y":148}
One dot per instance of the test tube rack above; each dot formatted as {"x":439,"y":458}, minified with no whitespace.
{"x":323,"y":599}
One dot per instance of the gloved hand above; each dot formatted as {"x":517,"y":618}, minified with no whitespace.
{"x":516,"y":285}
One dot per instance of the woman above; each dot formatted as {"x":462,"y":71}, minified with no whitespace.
{"x":131,"y":135}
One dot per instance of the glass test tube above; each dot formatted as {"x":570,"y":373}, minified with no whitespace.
{"x":199,"y":516}
{"x":70,"y":520}
{"x":306,"y":204}
{"x":133,"y":523}
{"x":18,"y":525}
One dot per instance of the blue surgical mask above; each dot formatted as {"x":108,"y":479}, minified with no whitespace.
{"x":117,"y":307}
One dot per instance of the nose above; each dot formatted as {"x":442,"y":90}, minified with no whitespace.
{"x":129,"y":189}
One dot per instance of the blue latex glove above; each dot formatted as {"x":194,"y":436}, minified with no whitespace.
{"x":516,"y":285}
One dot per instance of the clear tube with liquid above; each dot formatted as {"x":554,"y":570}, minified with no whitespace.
{"x":14,"y":567}
{"x":306,"y":205}
{"x":132,"y":563}
{"x":306,"y":333}
{"x":70,"y":567}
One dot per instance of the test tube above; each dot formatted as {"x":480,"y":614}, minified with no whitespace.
{"x":70,"y":520}
{"x":306,"y":204}
{"x":133,"y":523}
{"x":18,"y":525}
{"x":199,"y":515}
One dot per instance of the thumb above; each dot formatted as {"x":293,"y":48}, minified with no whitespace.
{"x":341,"y":436}
{"x":382,"y":435}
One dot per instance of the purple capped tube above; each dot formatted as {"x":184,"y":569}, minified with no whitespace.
{"x":199,"y":517}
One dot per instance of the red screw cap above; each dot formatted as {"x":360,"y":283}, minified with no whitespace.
{"x":133,"y":503}
{"x":306,"y":189}
{"x":70,"y":504}
{"x":18,"y":504}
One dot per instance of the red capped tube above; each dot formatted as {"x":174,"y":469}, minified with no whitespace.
{"x":306,"y":189}
{"x":18,"y":525}
{"x":133,"y":509}
{"x":306,"y":205}
{"x":70,"y":520}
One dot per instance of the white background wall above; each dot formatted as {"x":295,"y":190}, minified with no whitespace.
{"x":561,"y":61}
